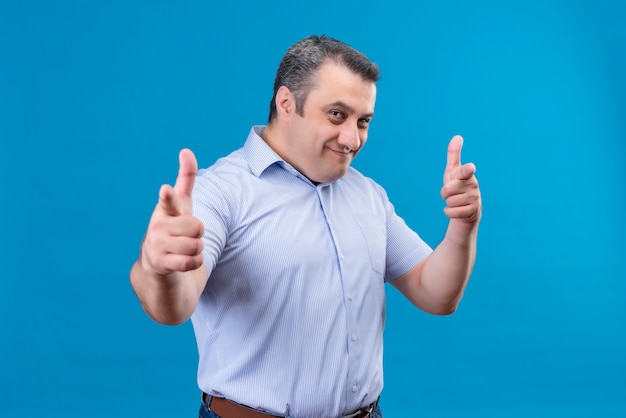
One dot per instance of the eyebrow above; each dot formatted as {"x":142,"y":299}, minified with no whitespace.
{"x":350,"y":109}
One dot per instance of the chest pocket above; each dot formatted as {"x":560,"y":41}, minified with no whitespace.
{"x":374,"y":231}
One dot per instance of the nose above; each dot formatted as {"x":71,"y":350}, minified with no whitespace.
{"x":349,"y":137}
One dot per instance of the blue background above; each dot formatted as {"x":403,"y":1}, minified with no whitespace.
{"x":96,"y":99}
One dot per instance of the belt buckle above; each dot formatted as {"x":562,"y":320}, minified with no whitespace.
{"x":368,"y":411}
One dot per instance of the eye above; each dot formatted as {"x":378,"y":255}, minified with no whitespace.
{"x":363,"y":123}
{"x":336,"y":116}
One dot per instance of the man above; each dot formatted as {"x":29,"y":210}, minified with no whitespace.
{"x":280,"y":251}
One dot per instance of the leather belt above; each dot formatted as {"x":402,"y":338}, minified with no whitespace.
{"x":229,"y":409}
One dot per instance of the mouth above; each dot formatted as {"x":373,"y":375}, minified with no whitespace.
{"x":340,"y":153}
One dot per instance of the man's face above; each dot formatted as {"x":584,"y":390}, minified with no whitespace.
{"x":333,"y":126}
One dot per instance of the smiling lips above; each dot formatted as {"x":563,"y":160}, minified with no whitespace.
{"x":341,"y":153}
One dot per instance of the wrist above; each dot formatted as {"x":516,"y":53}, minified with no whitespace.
{"x":462,"y":233}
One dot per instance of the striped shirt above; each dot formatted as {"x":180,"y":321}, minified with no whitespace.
{"x":292,"y":316}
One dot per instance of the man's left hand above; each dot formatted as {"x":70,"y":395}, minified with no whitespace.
{"x":460,"y":188}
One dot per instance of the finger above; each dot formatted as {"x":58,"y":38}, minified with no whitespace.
{"x":464,"y":172}
{"x":458,"y":186}
{"x":468,"y":213}
{"x":184,"y":246}
{"x":184,"y":226}
{"x":468,"y":171}
{"x":462,"y":199}
{"x":179,"y":262}
{"x":454,"y":152}
{"x":188,"y":168}
{"x":168,"y":201}
{"x":159,"y":248}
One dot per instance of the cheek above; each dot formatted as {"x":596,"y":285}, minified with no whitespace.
{"x":327,"y":130}
{"x":325,"y":135}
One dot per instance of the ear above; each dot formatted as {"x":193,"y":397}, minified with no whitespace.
{"x":285,"y":102}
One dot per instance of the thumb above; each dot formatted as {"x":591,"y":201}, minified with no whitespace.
{"x":188,"y":168}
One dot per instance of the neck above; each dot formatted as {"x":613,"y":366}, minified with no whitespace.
{"x":272,"y":137}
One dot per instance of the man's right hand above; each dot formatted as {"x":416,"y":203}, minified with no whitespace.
{"x":173,"y":242}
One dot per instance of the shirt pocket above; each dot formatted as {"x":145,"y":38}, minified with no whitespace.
{"x":375,"y":233}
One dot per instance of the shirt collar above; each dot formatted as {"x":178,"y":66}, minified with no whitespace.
{"x":258,"y":154}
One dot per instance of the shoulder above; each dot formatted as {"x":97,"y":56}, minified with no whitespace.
{"x":219,"y":185}
{"x":225,"y":172}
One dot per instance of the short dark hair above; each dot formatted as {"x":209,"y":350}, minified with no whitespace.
{"x":299,"y":64}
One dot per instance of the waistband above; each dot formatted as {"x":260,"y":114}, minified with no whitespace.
{"x":229,"y":409}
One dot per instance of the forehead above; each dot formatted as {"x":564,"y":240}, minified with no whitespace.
{"x":337,"y":83}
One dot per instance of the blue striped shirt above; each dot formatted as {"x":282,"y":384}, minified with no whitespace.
{"x":292,"y":316}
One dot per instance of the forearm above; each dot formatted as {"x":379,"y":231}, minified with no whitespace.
{"x":436,"y":284}
{"x":447,"y":269}
{"x":167,"y":299}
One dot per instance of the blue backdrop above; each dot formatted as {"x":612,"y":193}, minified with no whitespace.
{"x":96,"y":99}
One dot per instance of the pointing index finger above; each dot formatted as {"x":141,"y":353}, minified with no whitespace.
{"x":454,"y":152}
{"x":186,"y":173}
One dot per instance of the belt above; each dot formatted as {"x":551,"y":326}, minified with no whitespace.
{"x":229,"y":409}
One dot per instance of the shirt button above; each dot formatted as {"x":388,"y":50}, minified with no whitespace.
{"x":350,"y":296}
{"x":354,"y":388}
{"x":341,"y":256}
{"x":354,"y":337}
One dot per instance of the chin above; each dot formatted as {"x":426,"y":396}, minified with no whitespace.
{"x":329,"y":173}
{"x":335,"y":176}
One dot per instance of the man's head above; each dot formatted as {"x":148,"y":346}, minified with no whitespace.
{"x":323,"y":102}
{"x":302,"y":60}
